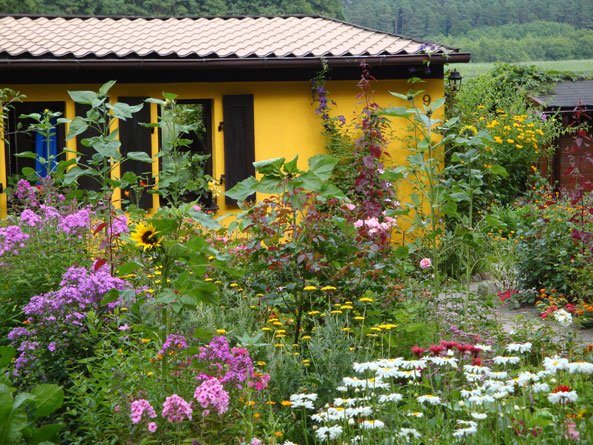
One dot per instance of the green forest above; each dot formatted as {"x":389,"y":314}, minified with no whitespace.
{"x":492,"y":30}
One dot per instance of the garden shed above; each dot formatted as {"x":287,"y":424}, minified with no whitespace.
{"x":249,"y":76}
{"x":563,"y":100}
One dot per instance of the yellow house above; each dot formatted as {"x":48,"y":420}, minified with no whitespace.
{"x":249,"y":77}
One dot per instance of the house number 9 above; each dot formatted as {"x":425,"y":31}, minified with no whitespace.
{"x":426,"y":99}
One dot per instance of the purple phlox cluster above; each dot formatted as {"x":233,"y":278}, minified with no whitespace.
{"x":30,"y":218}
{"x":211,"y":392}
{"x":174,"y":342}
{"x":175,"y":409}
{"x":12,"y":238}
{"x":50,"y":212}
{"x":374,"y":226}
{"x":19,"y":332}
{"x":138,"y":408}
{"x":26,"y":192}
{"x":75,"y":222}
{"x":118,"y":225}
{"x":230,"y":365}
{"x":56,"y":313}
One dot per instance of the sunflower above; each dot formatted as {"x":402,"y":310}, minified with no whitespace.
{"x":145,"y":236}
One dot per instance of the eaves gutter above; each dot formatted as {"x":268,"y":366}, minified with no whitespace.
{"x":222,"y":63}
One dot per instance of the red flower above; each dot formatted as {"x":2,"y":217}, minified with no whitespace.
{"x":418,"y":351}
{"x":476,"y":361}
{"x":436,"y":349}
{"x":562,"y":388}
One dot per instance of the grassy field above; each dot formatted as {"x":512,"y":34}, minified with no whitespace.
{"x":469,"y":70}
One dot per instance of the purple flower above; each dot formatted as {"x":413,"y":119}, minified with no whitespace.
{"x":74,"y":222}
{"x":11,"y":239}
{"x":30,"y":218}
{"x":173,"y":342}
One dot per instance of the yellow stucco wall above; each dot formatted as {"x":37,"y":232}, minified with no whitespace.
{"x":285,"y":123}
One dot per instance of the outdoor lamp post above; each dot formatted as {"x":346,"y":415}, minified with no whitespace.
{"x":455,"y":82}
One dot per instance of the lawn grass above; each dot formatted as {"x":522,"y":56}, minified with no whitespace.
{"x":585,"y":67}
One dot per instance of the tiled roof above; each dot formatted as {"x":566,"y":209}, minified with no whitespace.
{"x":568,"y":94}
{"x":33,"y":38}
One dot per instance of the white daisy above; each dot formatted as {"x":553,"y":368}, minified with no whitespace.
{"x":480,"y":400}
{"x":519,"y":347}
{"x":484,"y":348}
{"x":441,"y":361}
{"x":499,"y":375}
{"x":415,"y":414}
{"x":540,"y":387}
{"x":555,"y":363}
{"x":473,"y":377}
{"x":413,"y":364}
{"x":475,"y":369}
{"x":563,"y":397}
{"x":469,"y":423}
{"x":330,"y":432}
{"x":384,"y":398}
{"x":468,"y":393}
{"x":465,"y":432}
{"x":411,"y":374}
{"x":479,"y":416}
{"x":502,"y":360}
{"x":409,"y":432}
{"x":582,"y":367}
{"x":302,"y":403}
{"x":430,"y":399}
{"x":372,"y":425}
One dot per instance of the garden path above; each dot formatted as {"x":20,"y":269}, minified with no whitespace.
{"x":511,"y":319}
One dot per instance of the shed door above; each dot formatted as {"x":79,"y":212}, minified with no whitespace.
{"x":239,"y":140}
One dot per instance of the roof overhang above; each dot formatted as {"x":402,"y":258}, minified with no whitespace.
{"x":224,"y":63}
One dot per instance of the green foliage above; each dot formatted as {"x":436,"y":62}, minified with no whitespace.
{"x":539,"y":40}
{"x":20,"y":414}
{"x":497,"y":102}
{"x":181,"y":172}
{"x":332,"y":8}
{"x":101,"y":117}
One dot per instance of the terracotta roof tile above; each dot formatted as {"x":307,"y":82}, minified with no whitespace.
{"x":202,"y":37}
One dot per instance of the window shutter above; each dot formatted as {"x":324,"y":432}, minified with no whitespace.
{"x":135,"y":137}
{"x":239,"y":140}
{"x":20,"y":141}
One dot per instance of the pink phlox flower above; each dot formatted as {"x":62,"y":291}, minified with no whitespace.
{"x":138,"y":408}
{"x":152,"y":427}
{"x":211,"y":392}
{"x":175,"y":409}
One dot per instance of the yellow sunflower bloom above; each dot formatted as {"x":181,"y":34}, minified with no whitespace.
{"x":145,"y":236}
